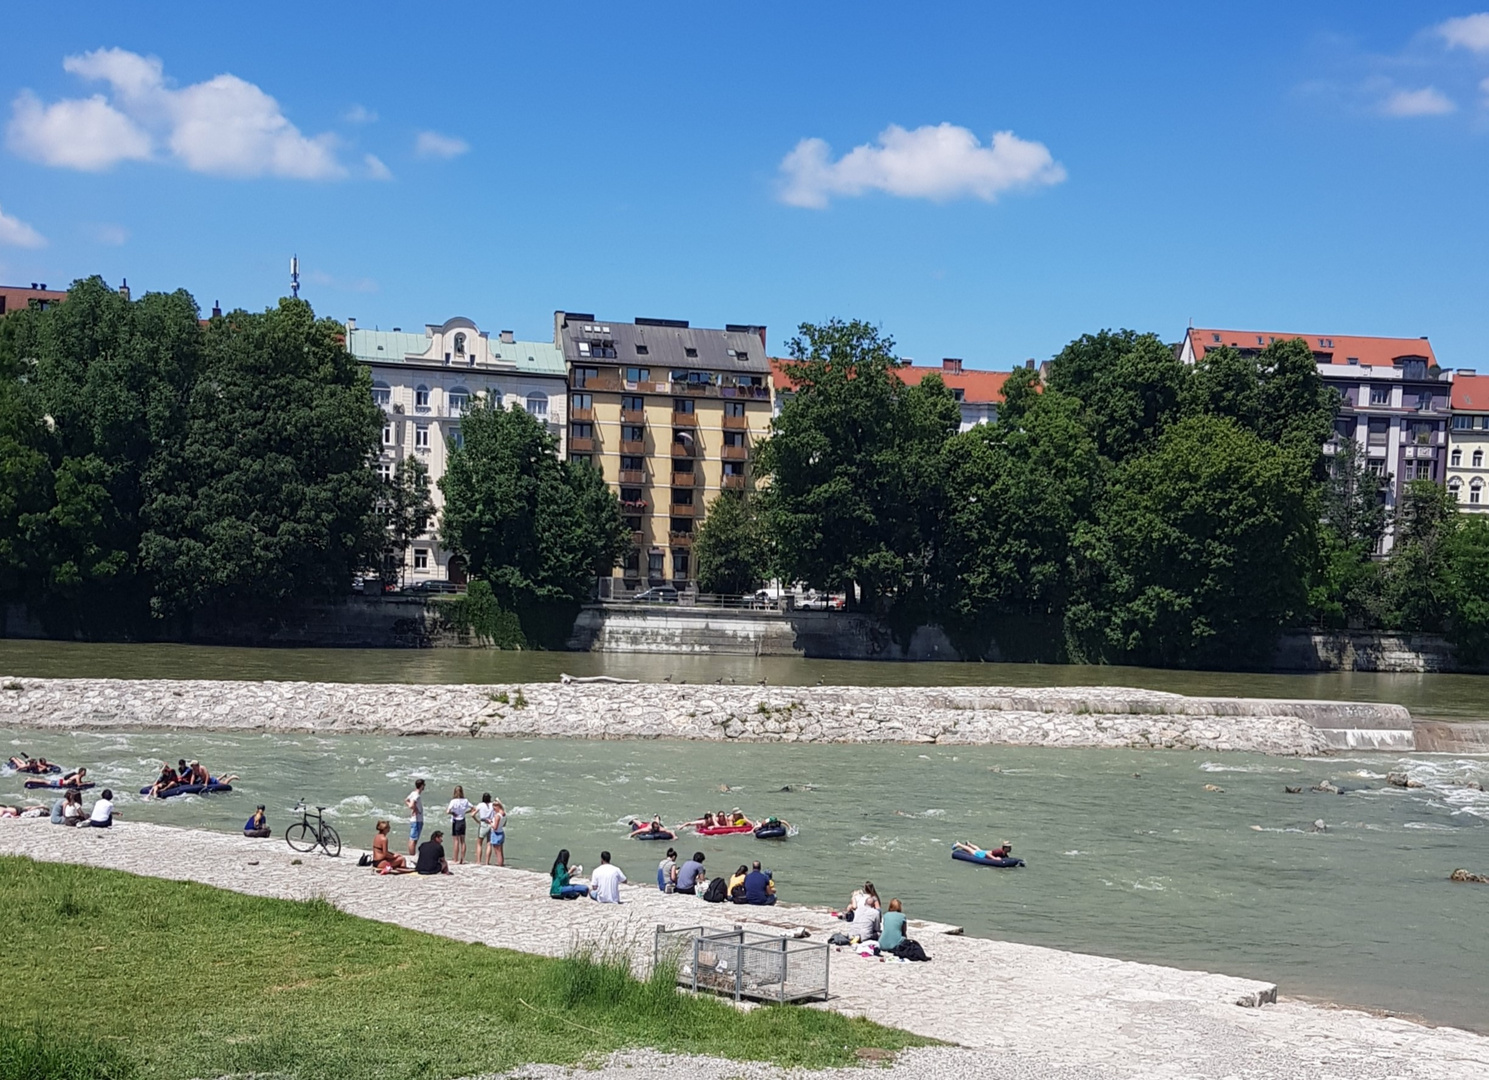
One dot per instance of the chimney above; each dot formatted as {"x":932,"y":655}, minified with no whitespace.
{"x":351,"y":323}
{"x":508,"y":338}
{"x":216,"y":309}
{"x":123,"y":288}
{"x":951,"y":363}
{"x":1468,"y":371}
{"x":33,"y":284}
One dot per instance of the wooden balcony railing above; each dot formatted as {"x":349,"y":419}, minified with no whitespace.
{"x":683,"y":510}
{"x":633,"y":449}
{"x":686,"y":479}
{"x":684,"y":449}
{"x":732,"y":483}
{"x":633,"y":476}
{"x":678,"y":538}
{"x":735,"y":453}
{"x":585,"y":415}
{"x":633,"y":416}
{"x":736,"y":423}
{"x":684,"y":419}
{"x":581,"y":446}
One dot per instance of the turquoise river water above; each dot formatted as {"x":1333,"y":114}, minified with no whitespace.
{"x":1128,"y":854}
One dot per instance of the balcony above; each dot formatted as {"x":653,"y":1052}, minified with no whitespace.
{"x":637,"y":538}
{"x":684,"y":419}
{"x":636,"y":448}
{"x":633,"y":476}
{"x":585,"y":415}
{"x":605,"y":382}
{"x":633,"y":416}
{"x":684,"y":449}
{"x":686,"y":479}
{"x":737,"y":483}
{"x":683,"y":510}
{"x":679,"y":538}
{"x":736,"y":423}
{"x":735,"y":453}
{"x":633,"y":507}
{"x":581,"y":446}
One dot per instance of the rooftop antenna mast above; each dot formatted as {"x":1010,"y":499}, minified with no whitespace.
{"x":295,"y":276}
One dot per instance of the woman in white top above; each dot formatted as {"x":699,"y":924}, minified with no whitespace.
{"x":498,"y":833}
{"x":483,"y":831}
{"x":458,"y":809}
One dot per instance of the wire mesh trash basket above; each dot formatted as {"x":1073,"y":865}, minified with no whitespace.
{"x":744,"y":964}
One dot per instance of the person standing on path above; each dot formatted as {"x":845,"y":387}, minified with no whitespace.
{"x":498,"y":833}
{"x":415,"y":804}
{"x":605,"y":882}
{"x":483,"y":827}
{"x":459,"y":809}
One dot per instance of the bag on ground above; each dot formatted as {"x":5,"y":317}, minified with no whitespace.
{"x":717,"y":891}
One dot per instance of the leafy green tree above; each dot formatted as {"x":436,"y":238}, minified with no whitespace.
{"x":1129,"y":385}
{"x":1346,"y":586}
{"x":857,"y":471}
{"x":730,"y":549}
{"x":536,"y":528}
{"x":270,"y":493}
{"x":1467,"y":575}
{"x":1198,"y":551}
{"x":1418,"y":591}
{"x":407,"y":507}
{"x":1277,"y":393}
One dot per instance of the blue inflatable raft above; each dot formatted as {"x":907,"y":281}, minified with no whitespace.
{"x":190,"y":789}
{"x":966,"y":856}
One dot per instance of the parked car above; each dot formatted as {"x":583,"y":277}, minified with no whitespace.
{"x":433,"y":585}
{"x":659,"y":594}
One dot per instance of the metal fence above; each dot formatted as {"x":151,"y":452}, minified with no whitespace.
{"x":744,"y":963}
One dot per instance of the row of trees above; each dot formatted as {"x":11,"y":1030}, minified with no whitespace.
{"x":1132,"y":509}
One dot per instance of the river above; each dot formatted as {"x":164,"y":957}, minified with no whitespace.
{"x":1128,"y":854}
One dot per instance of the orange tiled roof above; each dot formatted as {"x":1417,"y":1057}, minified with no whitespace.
{"x":977,"y":387}
{"x":1327,"y":348}
{"x":1471,"y":392}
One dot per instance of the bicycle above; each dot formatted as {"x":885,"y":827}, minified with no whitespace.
{"x":305,"y":835}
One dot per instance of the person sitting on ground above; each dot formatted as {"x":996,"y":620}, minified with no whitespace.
{"x":892,"y":932}
{"x":865,"y":922}
{"x":73,"y":813}
{"x":860,"y":897}
{"x":690,"y":874}
{"x":73,"y":779}
{"x":103,"y":811}
{"x":667,"y":872}
{"x":58,"y":811}
{"x":167,"y":779}
{"x":383,"y":860}
{"x":759,"y":887}
{"x":431,"y":859}
{"x":257,"y":826}
{"x":605,"y":882}
{"x":561,"y":886}
{"x":736,"y":884}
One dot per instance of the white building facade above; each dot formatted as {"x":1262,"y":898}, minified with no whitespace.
{"x":425,"y":382}
{"x":1468,"y":442}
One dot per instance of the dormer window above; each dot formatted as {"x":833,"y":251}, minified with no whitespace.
{"x":459,"y":344}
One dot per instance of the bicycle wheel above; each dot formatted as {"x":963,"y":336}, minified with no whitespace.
{"x":330,"y":841}
{"x":300,"y":836}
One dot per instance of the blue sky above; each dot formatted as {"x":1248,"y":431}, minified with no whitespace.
{"x":1313,"y":167}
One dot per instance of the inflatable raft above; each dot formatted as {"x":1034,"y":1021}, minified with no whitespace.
{"x":723,"y":830}
{"x":51,"y":768}
{"x":190,"y":789}
{"x":966,"y":856}
{"x":55,"y":785}
{"x":776,"y":831}
{"x":647,"y":834}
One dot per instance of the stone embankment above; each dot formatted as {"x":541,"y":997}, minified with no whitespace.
{"x":1103,"y":717}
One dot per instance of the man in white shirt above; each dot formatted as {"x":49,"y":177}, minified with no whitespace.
{"x":103,"y":811}
{"x":415,"y":804}
{"x":605,"y":882}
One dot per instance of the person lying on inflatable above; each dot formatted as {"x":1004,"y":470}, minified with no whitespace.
{"x":22,"y":763}
{"x":653,"y":827}
{"x":74,"y":778}
{"x":984,"y":853}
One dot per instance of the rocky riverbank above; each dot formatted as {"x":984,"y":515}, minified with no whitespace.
{"x":1100,"y":717}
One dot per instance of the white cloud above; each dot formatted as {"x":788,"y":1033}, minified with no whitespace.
{"x":1466,"y":32}
{"x":376,"y":170}
{"x":82,"y":133}
{"x":224,"y":126}
{"x":433,"y":144}
{"x":16,"y":233}
{"x":359,"y":114}
{"x":1428,"y":101}
{"x":932,"y":162}
{"x":112,"y":235}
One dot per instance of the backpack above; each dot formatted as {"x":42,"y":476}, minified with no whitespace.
{"x":909,"y":950}
{"x":717,"y":891}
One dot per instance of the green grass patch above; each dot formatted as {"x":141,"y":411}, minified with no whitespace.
{"x":152,"y":979}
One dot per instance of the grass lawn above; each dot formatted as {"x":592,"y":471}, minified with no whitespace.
{"x":150,"y":978}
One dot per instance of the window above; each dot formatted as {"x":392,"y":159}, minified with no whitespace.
{"x":421,"y":398}
{"x":1421,"y":470}
{"x":1475,"y":491}
{"x":1379,"y":431}
{"x":654,"y":565}
{"x":387,"y":434}
{"x":683,"y":465}
{"x":1344,"y":427}
{"x":642,"y":350}
{"x":689,"y":352}
{"x":631,"y":565}
{"x":385,"y":471}
{"x":421,"y":558}
{"x":583,"y":459}
{"x":1380,"y":395}
{"x":459,"y":344}
{"x":582,"y":431}
{"x":1455,"y":459}
{"x":1463,"y":423}
{"x":638,"y":374}
{"x":632,"y":433}
{"x":581,"y":401}
{"x":630,"y":463}
{"x":582,"y":376}
{"x":1455,"y":486}
{"x":1216,"y":338}
{"x":421,"y":437}
{"x":1424,"y":401}
{"x":1377,"y":466}
{"x":633,"y":524}
{"x":632,"y":403}
{"x":537,"y":404}
{"x":1478,"y":459}
{"x":456,"y":438}
{"x":682,"y":496}
{"x":680,"y":564}
{"x":682,"y":526}
{"x":382,"y":395}
{"x":733,"y":468}
{"x":630,"y":494}
{"x":734,"y":408}
{"x":459,"y":399}
{"x":1421,"y":433}
{"x":734,"y":438}
{"x":682,"y":406}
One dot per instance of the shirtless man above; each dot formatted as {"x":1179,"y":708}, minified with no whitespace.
{"x":74,"y":778}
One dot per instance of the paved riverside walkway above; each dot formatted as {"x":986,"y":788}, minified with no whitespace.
{"x":1019,"y":1010}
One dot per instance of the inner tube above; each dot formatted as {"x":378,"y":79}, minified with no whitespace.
{"x":189,"y":789}
{"x":723,"y":830}
{"x":32,"y":770}
{"x":647,"y":834}
{"x":963,"y":856}
{"x":55,"y":785}
{"x":771,"y":832}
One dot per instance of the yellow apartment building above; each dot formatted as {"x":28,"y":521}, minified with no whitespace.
{"x":671,"y":415}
